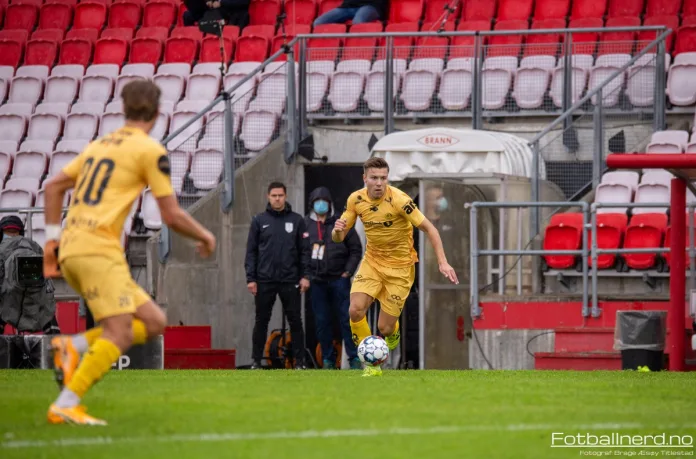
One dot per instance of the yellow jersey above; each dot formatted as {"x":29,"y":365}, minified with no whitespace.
{"x":109,"y":176}
{"x":389,"y":223}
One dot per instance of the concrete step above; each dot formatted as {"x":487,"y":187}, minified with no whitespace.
{"x":583,"y":339}
{"x":581,"y":361}
{"x":199,"y":359}
{"x":188,"y":337}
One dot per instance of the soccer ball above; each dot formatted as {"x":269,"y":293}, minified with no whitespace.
{"x":373,"y":351}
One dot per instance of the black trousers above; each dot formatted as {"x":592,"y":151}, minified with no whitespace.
{"x":290,"y":299}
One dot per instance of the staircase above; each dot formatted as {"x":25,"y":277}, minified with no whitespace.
{"x":189,"y":348}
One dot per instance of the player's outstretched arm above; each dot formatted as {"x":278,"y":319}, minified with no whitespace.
{"x":180,"y":221}
{"x":434,"y":236}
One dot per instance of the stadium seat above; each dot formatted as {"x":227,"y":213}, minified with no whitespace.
{"x":145,"y":51}
{"x":172,"y":86}
{"x":531,"y":83}
{"x":161,"y":127}
{"x":12,"y":125}
{"x":110,"y":51}
{"x":30,"y":164}
{"x":186,"y":140}
{"x":668,"y":142}
{"x":685,"y":41}
{"x":188,"y":32}
{"x":435,"y":11}
{"x":613,"y":192}
{"x":354,"y":65}
{"x":611,"y":228}
{"x":150,"y":211}
{"x":71,"y":146}
{"x":604,"y":67}
{"x":325,"y":49}
{"x":507,"y":45}
{"x":361,"y":48}
{"x":625,"y":8}
{"x":267,"y":31}
{"x":418,"y":89}
{"x":75,"y":51}
{"x":405,"y":11}
{"x":681,"y":84}
{"x":10,"y":52}
{"x":8,"y":147}
{"x":145,"y":70}
{"x":432,"y":47}
{"x":662,"y":7}
{"x":206,"y":168}
{"x":654,"y":187}
{"x":564,"y":232}
{"x":56,"y":35}
{"x":18,"y":35}
{"x":463,"y":46}
{"x":36,"y":71}
{"x":159,"y":13}
{"x":110,"y":122}
{"x":271,"y":93}
{"x":210,"y":49}
{"x":514,"y":10}
{"x":121,"y":32}
{"x":257,"y":132}
{"x":328,"y":5}
{"x":90,"y":15}
{"x":374,"y":86}
{"x":640,"y":81}
{"x":41,"y":52}
{"x":61,"y":89}
{"x":45,"y":126}
{"x":585,"y":42}
{"x":551,"y":9}
{"x":544,"y":44}
{"x":108,"y":70}
{"x":80,"y":125}
{"x":264,"y":12}
{"x":16,"y":198}
{"x":300,"y":11}
{"x":181,"y":69}
{"x":95,"y":108}
{"x":618,"y":42}
{"x":645,"y":37}
{"x":96,"y":88}
{"x":203,"y":87}
{"x":55,"y":16}
{"x":317,"y":85}
{"x":588,"y":9}
{"x":346,"y":88}
{"x":26,"y":89}
{"x":158,"y":33}
{"x":21,"y":16}
{"x":479,"y":10}
{"x":125,"y":14}
{"x":5,"y":163}
{"x":180,"y":162}
{"x":252,"y":48}
{"x":181,"y":49}
{"x":455,"y":88}
{"x":91,"y":35}
{"x":645,"y":231}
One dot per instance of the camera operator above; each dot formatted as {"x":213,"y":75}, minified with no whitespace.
{"x":234,"y":12}
{"x":29,"y":309}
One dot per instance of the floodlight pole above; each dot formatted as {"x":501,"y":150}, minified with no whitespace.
{"x":676,"y":314}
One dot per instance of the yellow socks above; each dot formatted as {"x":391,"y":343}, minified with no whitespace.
{"x":360,"y":330}
{"x":95,"y":364}
{"x":139,"y":334}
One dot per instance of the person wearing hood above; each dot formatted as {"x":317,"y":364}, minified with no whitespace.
{"x":331,"y":267}
{"x":277,"y":264}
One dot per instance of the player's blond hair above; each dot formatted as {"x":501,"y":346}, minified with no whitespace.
{"x":141,"y":100}
{"x":375,"y":163}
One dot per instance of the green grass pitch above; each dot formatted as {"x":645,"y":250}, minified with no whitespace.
{"x":338,"y":414}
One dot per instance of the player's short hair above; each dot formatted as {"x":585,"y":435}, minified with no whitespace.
{"x":375,"y":163}
{"x":141,"y":100}
{"x":274,"y":185}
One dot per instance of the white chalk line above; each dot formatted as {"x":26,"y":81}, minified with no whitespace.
{"x":305,"y":434}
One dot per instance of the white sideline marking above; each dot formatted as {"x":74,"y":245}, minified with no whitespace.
{"x":231,"y":436}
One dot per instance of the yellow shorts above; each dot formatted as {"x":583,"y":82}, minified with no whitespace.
{"x":105,"y":283}
{"x":390,"y":286}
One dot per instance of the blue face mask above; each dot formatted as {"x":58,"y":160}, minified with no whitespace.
{"x":442,"y":204}
{"x":321,"y":207}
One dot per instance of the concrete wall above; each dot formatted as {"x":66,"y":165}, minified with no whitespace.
{"x":213,"y":291}
{"x":507,"y":349}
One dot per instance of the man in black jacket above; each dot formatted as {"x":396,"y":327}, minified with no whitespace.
{"x":277,"y":263}
{"x":358,"y":11}
{"x":331,"y":267}
{"x":234,"y":12}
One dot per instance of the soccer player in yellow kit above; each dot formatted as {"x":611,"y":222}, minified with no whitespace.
{"x":107,"y":177}
{"x":388,"y":268}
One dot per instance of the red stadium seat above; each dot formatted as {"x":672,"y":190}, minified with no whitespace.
{"x":90,"y":15}
{"x":514,"y":10}
{"x":262,"y":30}
{"x":36,"y":3}
{"x":585,"y":42}
{"x":671,"y":22}
{"x":231,"y":31}
{"x":662,"y":8}
{"x":110,"y":51}
{"x":668,"y":242}
{"x":159,"y":13}
{"x":688,"y":21}
{"x":625,"y":8}
{"x":210,"y":49}
{"x":252,"y":49}
{"x":10,"y":52}
{"x":145,"y":51}
{"x":55,"y":16}
{"x":75,"y":51}
{"x":689,"y":8}
{"x":432,"y":47}
{"x":361,"y":48}
{"x":21,"y":16}
{"x":264,"y":12}
{"x":121,"y":32}
{"x":41,"y":52}
{"x":402,"y":45}
{"x":48,"y":34}
{"x":125,"y":14}
{"x":506,"y":45}
{"x":610,"y":233}
{"x":463,"y":46}
{"x":544,"y":44}
{"x":300,"y":12}
{"x":645,"y":231}
{"x":181,"y":49}
{"x":589,"y":9}
{"x":18,"y":35}
{"x":551,"y":9}
{"x":479,"y":10}
{"x":158,"y":33}
{"x":91,"y":35}
{"x":187,"y":32}
{"x":618,"y":42}
{"x":65,"y":2}
{"x":325,"y":49}
{"x":686,"y":40}
{"x":291,"y":32}
{"x":563,"y":233}
{"x":405,"y":11}
{"x":435,"y":10}
{"x":328,"y":5}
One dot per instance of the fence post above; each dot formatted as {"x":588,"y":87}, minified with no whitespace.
{"x":477,"y":85}
{"x":291,"y":141}
{"x":595,"y":305}
{"x":389,"y":88}
{"x":598,"y":126}
{"x":302,"y":120}
{"x":534,"y":215}
{"x":585,"y":256}
{"x":227,"y":200}
{"x":660,"y":72}
{"x":473,"y":277}
{"x":165,"y":244}
{"x":567,"y":77}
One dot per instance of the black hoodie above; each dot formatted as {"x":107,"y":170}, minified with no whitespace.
{"x":276,"y":248}
{"x":337,"y":258}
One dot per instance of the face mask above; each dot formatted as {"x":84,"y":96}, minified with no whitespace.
{"x":442,"y":204}
{"x":321,"y":207}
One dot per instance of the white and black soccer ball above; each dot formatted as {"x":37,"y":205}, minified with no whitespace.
{"x":373,"y":351}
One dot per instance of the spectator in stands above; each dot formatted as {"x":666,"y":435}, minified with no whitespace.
{"x":234,"y":12}
{"x":277,"y":264}
{"x":331,"y":267}
{"x":42,"y":316}
{"x":358,"y":11}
